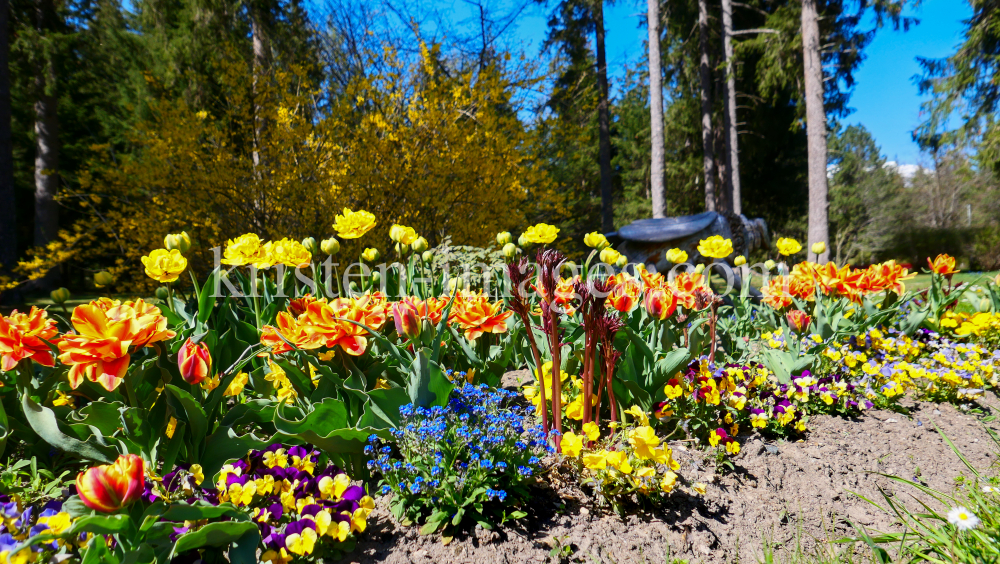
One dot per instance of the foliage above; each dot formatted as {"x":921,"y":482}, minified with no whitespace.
{"x":469,"y":461}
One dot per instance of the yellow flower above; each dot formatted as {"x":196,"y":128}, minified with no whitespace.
{"x":301,"y":544}
{"x":541,"y":234}
{"x":370,"y":255}
{"x":619,"y":461}
{"x":591,"y":430}
{"x":643,"y":440}
{"x":639,"y":415}
{"x":596,"y":240}
{"x":288,"y":252}
{"x":164,"y":266}
{"x":197,"y":473}
{"x":245,"y":249}
{"x":677,"y":256}
{"x":236,"y":386}
{"x":352,"y":225}
{"x":402,"y":234}
{"x":700,"y":488}
{"x":276,"y":557}
{"x":819,"y":248}
{"x":740,"y":260}
{"x":788,"y":246}
{"x":171,"y":427}
{"x":180,"y":241}
{"x":715,"y":247}
{"x":610,"y":256}
{"x":668,"y":482}
{"x":63,"y":399}
{"x":572,"y":444}
{"x":596,"y":460}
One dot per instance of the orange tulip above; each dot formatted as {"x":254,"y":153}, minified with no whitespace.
{"x":289,"y":330}
{"x":776,"y":292}
{"x":23,"y":335}
{"x":625,"y":295}
{"x":798,"y":320}
{"x":195,"y":362}
{"x":476,"y":315}
{"x":110,"y":487}
{"x":106,"y":332}
{"x":660,"y":303}
{"x":943,"y":264}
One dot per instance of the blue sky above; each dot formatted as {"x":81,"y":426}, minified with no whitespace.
{"x":885,"y":99}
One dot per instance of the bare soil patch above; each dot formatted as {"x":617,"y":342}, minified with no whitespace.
{"x":784,"y":492}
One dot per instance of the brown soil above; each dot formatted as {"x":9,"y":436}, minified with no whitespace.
{"x":780,"y":492}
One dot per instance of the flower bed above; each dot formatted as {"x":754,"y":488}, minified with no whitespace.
{"x":252,"y":415}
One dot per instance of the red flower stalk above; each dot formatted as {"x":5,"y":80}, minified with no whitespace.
{"x":609,"y":324}
{"x":517,"y":273}
{"x":549,"y":264}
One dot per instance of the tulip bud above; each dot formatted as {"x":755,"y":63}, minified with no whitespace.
{"x":523,"y":241}
{"x":740,"y":260}
{"x":60,"y":296}
{"x":180,"y":241}
{"x":376,"y":277}
{"x":162,"y":293}
{"x":622,"y":261}
{"x":402,"y":248}
{"x":185,"y":242}
{"x":798,"y":320}
{"x":370,"y":255}
{"x":700,"y":268}
{"x":103,"y":278}
{"x":455,"y":283}
{"x":310,"y":244}
{"x":110,"y":487}
{"x":419,"y":245}
{"x":677,"y":256}
{"x":818,"y":248}
{"x":330,"y":246}
{"x":609,"y":256}
{"x":503,"y":238}
{"x":396,"y":232}
{"x":408,"y":322}
{"x":510,"y":250}
{"x":428,"y":257}
{"x":195,"y":362}
{"x":769,"y":264}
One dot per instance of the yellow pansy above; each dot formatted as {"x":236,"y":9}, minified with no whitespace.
{"x":591,"y":430}
{"x":572,"y":444}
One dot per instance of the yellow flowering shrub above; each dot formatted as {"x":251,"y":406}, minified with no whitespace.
{"x":439,"y":151}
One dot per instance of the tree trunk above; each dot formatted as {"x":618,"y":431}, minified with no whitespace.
{"x":729,"y":111}
{"x":656,"y":110}
{"x":604,"y":121}
{"x":8,"y":225}
{"x":46,"y":138}
{"x":260,"y":52}
{"x":815,"y":130}
{"x":705,"y":70}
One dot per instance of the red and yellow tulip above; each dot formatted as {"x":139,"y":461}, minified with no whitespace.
{"x":110,"y":487}
{"x":195,"y":362}
{"x":24,"y":335}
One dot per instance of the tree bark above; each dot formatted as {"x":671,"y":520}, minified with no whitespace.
{"x":260,"y":58}
{"x":656,"y":110}
{"x":46,"y":138}
{"x":815,"y":130}
{"x":705,"y":71}
{"x":729,"y":111}
{"x":604,"y":121}
{"x":8,"y":225}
